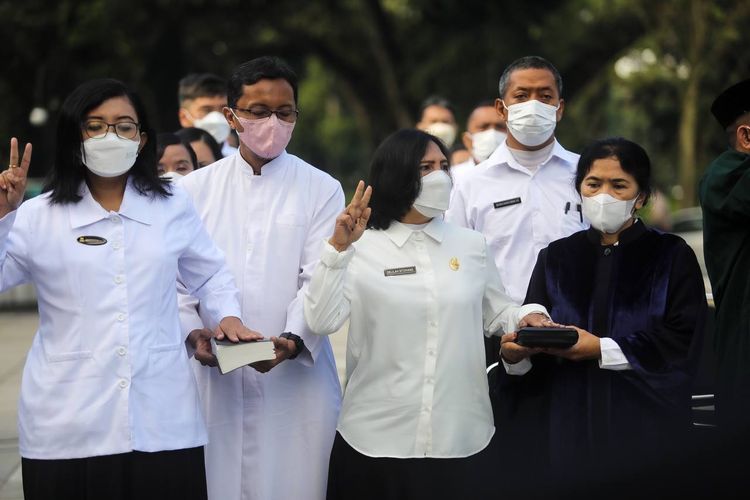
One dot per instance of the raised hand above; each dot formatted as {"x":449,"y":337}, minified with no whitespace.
{"x":353,"y":220}
{"x":13,"y":180}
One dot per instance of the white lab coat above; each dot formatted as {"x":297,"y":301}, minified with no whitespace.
{"x":107,"y":372}
{"x":270,"y":435}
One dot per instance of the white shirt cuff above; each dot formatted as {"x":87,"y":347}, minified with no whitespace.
{"x":520,"y":368}
{"x":612,"y":356}
{"x":529,"y":309}
{"x":333,"y":258}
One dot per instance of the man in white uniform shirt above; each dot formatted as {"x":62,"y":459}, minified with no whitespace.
{"x":523,"y":196}
{"x":485,"y":131}
{"x":270,"y":434}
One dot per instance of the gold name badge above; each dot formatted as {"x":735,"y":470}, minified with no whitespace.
{"x":454,"y":263}
{"x":91,"y":240}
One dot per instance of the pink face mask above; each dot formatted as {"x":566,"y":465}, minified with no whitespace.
{"x":266,"y":137}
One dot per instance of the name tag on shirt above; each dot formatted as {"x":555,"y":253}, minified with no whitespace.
{"x":400,"y":271}
{"x":507,"y":203}
{"x":91,"y":240}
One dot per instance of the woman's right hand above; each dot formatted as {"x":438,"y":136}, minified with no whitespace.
{"x":352,"y":222}
{"x":13,"y":180}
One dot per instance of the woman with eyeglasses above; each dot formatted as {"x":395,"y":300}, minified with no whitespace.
{"x":109,"y":407}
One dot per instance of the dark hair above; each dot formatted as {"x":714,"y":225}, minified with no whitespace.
{"x":194,"y":134}
{"x":395,"y":176}
{"x":260,"y":68}
{"x":632,"y":157}
{"x":529,"y":62}
{"x":169,"y":139}
{"x":197,"y":85}
{"x":436,"y":100}
{"x":69,"y":171}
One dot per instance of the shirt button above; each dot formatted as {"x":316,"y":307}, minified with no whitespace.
{"x":433,"y":323}
{"x":114,"y":218}
{"x":122,"y":351}
{"x":121,"y":317}
{"x":431,"y":352}
{"x":123,"y":384}
{"x":118,"y":279}
{"x":116,"y":245}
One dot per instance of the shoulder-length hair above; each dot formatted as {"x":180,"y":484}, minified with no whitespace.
{"x":68,"y":170}
{"x":395,"y":177}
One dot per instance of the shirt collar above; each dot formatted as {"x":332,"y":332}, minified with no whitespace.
{"x":399,"y":233}
{"x":503,"y":156}
{"x":630,"y":234}
{"x":134,"y":206}
{"x":267,"y":170}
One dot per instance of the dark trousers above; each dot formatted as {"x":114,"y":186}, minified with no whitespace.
{"x":354,"y":476}
{"x":162,"y":475}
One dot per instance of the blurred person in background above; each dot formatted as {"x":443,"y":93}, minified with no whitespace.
{"x":109,"y":407}
{"x":725,"y":199}
{"x":438,"y":117}
{"x":271,"y":426}
{"x":176,"y":157}
{"x":202,"y":97}
{"x":416,"y":420}
{"x":485,"y":131}
{"x":206,"y":149}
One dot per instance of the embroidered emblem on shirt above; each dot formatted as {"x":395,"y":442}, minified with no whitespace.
{"x":400,"y":271}
{"x":506,"y":203}
{"x":91,"y":240}
{"x":454,"y":263}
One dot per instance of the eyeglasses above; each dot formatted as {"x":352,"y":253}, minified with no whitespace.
{"x":98,"y":129}
{"x":259,"y":113}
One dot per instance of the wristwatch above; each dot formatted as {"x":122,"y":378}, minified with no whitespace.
{"x":299,"y":344}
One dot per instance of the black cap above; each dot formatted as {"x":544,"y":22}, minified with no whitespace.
{"x":732,"y":103}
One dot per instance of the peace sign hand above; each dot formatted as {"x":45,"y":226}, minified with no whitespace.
{"x":13,"y":180}
{"x":353,"y":220}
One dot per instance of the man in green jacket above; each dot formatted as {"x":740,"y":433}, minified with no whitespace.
{"x":725,"y":199}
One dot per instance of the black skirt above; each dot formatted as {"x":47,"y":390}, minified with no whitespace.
{"x":162,"y":475}
{"x":354,"y":476}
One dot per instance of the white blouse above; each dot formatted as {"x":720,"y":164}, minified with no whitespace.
{"x":418,"y":302}
{"x":107,"y":371}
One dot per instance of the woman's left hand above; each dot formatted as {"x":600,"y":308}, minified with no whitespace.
{"x":587,"y":347}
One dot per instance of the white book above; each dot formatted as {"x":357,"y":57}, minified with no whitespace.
{"x":233,"y":355}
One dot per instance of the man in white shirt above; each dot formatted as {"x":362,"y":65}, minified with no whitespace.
{"x":202,"y":97}
{"x":270,"y":434}
{"x":523,"y":196}
{"x":485,"y":131}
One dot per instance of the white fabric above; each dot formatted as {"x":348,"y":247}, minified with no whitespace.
{"x":227,"y":149}
{"x":417,"y":385}
{"x":270,"y":435}
{"x":517,"y":232}
{"x":520,"y":368}
{"x":532,"y":159}
{"x":612,"y":356}
{"x":107,"y":371}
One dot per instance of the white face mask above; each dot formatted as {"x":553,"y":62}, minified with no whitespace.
{"x":443,"y":131}
{"x":215,"y":124}
{"x":606,"y":213}
{"x":484,"y":143}
{"x":109,"y":156}
{"x":171,"y":176}
{"x":435,"y":195}
{"x":531,"y":122}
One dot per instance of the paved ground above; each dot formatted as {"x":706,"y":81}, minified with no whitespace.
{"x":16,"y":331}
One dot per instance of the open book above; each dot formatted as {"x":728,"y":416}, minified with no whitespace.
{"x":232,"y":355}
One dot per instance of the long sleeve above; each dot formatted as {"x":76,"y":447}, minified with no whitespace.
{"x":501,"y":314}
{"x":14,"y":235}
{"x":204,"y":273}
{"x":321,"y":228}
{"x":326,"y":306}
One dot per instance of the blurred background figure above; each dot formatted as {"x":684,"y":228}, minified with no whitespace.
{"x":202,"y":97}
{"x":725,"y":199}
{"x":438,"y":117}
{"x":176,"y":157}
{"x":485,"y":131}
{"x":207,"y":150}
